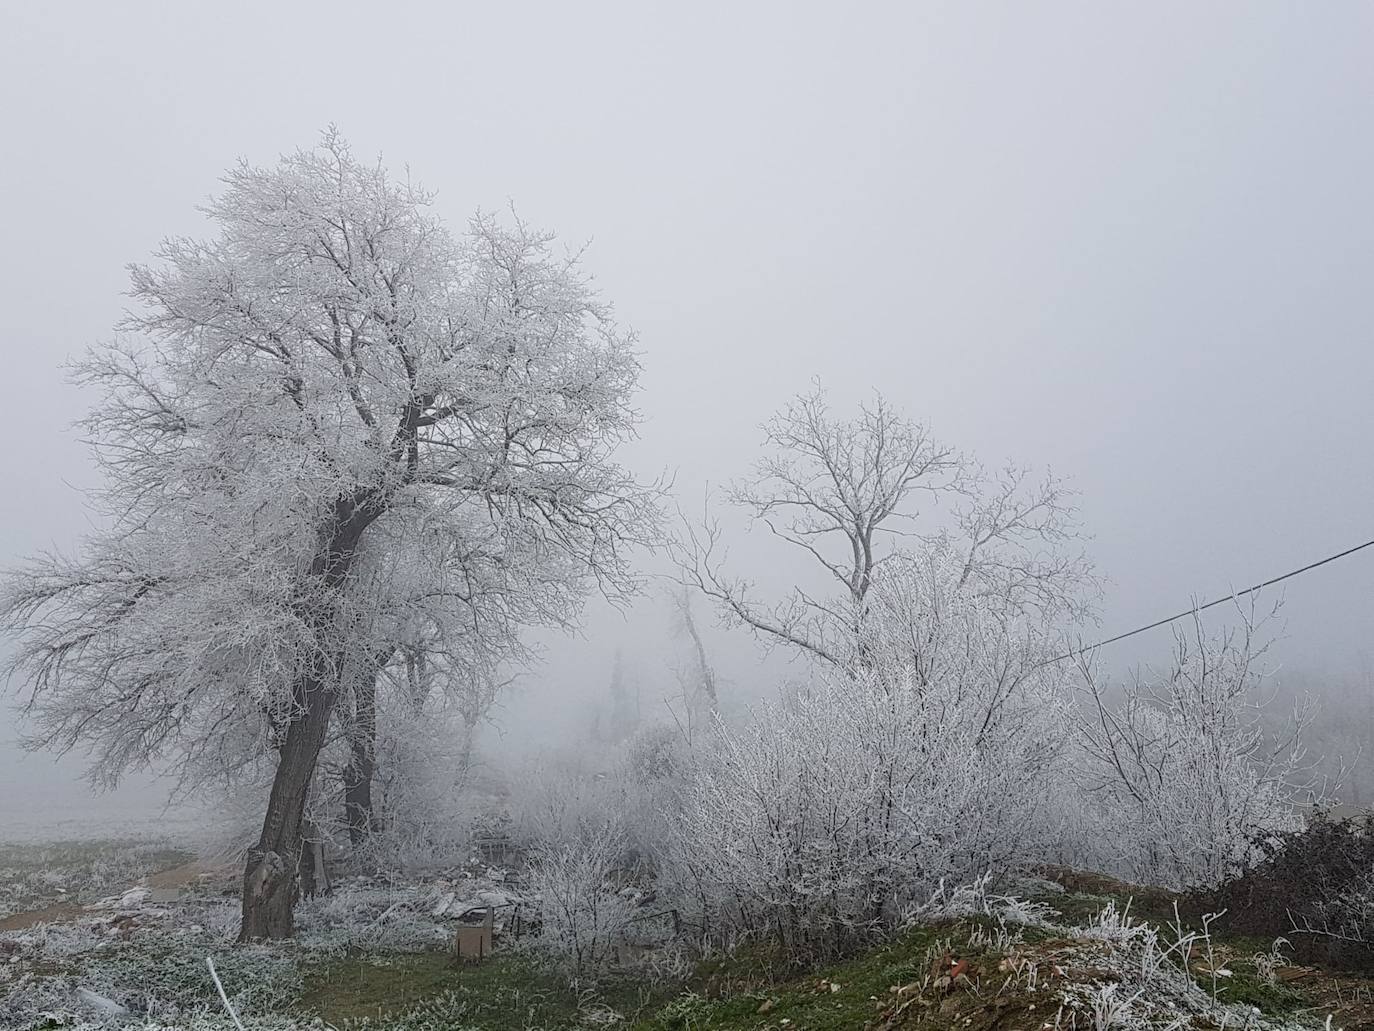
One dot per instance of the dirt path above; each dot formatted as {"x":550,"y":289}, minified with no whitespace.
{"x":184,"y":874}
{"x":58,"y":912}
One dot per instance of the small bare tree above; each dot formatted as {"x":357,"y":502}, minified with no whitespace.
{"x":843,"y":491}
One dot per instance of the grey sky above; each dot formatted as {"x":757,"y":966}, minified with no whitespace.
{"x":1133,"y":242}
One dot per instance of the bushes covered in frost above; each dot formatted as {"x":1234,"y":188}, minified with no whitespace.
{"x":597,"y":841}
{"x":584,"y":917}
{"x":829,"y":816}
{"x":951,"y":751}
{"x":1179,"y":785}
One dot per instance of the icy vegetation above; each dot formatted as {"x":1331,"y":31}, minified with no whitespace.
{"x":135,"y":963}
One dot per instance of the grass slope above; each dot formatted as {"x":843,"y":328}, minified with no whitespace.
{"x":969,"y":973}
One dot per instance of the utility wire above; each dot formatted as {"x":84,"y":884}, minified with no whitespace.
{"x":1215,"y":601}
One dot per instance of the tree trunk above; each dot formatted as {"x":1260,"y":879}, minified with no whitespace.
{"x":313,"y":869}
{"x":269,"y":878}
{"x":704,"y":671}
{"x":705,"y":693}
{"x":270,"y":874}
{"x":362,"y":763}
{"x":360,"y":815}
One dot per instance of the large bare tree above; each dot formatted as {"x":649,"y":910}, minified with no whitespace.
{"x":330,"y":384}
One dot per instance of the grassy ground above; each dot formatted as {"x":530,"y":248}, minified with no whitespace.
{"x":979,"y":972}
{"x":506,"y":994}
{"x":503,"y":994}
{"x":1001,"y":981}
{"x":888,"y":988}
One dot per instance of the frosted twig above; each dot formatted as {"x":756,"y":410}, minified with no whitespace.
{"x":222,"y":997}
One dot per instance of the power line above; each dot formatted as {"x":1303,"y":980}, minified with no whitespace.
{"x":1215,"y":601}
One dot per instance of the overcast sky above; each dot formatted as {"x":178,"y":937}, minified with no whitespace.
{"x":1131,"y":242}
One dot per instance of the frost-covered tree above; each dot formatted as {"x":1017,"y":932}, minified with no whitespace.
{"x":331,"y":385}
{"x":982,"y":649}
{"x":931,"y":744}
{"x":844,"y":492}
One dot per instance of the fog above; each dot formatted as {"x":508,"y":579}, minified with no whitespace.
{"x":1133,"y":244}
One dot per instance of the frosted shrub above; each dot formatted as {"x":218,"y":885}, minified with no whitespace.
{"x":1178,"y":783}
{"x":648,"y":781}
{"x":637,"y":792}
{"x":828,"y":818}
{"x":595,"y":839}
{"x":974,"y":900}
{"x":583,"y":914}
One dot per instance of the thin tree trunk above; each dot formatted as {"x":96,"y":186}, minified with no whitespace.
{"x":313,"y":868}
{"x":706,"y":676}
{"x":704,"y":671}
{"x":359,"y":816}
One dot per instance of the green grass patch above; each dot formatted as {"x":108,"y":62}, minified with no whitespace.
{"x":742,"y":993}
{"x":506,"y":993}
{"x":1272,"y":999}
